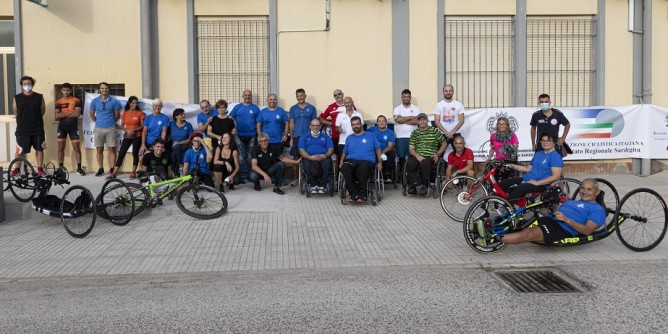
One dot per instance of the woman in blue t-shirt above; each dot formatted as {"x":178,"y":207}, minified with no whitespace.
{"x":180,"y":131}
{"x":545,"y":168}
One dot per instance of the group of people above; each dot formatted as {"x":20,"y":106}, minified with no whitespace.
{"x":247,"y":144}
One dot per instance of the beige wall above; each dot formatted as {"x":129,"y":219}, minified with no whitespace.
{"x":423,"y":54}
{"x":480,"y":7}
{"x":172,"y":52}
{"x":7,"y":8}
{"x":562,"y":7}
{"x":659,"y":53}
{"x":232,"y":7}
{"x":618,"y":56}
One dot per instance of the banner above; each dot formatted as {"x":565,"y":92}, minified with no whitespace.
{"x":596,"y":133}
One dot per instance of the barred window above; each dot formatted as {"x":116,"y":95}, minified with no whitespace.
{"x":560,"y":55}
{"x":479,"y":60}
{"x":233,"y":55}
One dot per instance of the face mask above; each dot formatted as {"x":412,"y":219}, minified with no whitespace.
{"x":27,"y":88}
{"x":544,"y":106}
{"x":315,"y":133}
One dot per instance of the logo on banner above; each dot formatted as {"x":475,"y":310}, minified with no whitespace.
{"x":491,"y":122}
{"x":597,"y":123}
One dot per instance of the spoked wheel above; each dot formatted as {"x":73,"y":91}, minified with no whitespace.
{"x":141,"y":197}
{"x":202,"y":202}
{"x":22,"y":185}
{"x":116,"y":202}
{"x":343,"y":192}
{"x":77,"y":211}
{"x":569,"y":187}
{"x":458,"y":194}
{"x":5,"y":182}
{"x":641,"y":219}
{"x":484,"y":218}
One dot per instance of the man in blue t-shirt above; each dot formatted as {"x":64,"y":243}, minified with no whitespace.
{"x":273,"y":120}
{"x":573,"y":218}
{"x":245,"y":115}
{"x":300,"y":115}
{"x":361,"y":151}
{"x":316,"y":149}
{"x":198,"y":155}
{"x":105,"y":111}
{"x":387,"y":139}
{"x":204,"y":118}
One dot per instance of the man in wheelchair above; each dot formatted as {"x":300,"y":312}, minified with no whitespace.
{"x":361,"y":151}
{"x":316,"y":149}
{"x":572,"y":218}
{"x":386,"y":138}
{"x":426,"y":146}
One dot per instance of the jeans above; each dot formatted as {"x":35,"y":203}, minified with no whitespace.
{"x":277,"y":170}
{"x":178,"y":151}
{"x":325,"y":171}
{"x":246,"y":147}
{"x":357,"y":173}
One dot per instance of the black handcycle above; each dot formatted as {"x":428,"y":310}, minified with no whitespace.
{"x":640,"y":219}
{"x":77,"y":209}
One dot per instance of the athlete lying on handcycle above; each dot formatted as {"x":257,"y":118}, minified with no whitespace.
{"x":572,"y":218}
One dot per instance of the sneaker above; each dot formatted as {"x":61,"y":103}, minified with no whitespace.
{"x":423,"y":191}
{"x":412,"y":190}
{"x":159,"y":201}
{"x":321,"y":190}
{"x":110,"y":176}
{"x":388,"y":180}
{"x":80,"y":172}
{"x":100,"y":172}
{"x":361,"y":200}
{"x":133,"y":175}
{"x":257,"y":186}
{"x":41,"y":172}
{"x":14,"y":172}
{"x":279,"y":191}
{"x":231,"y":186}
{"x":294,"y":182}
{"x":352,"y":200}
{"x":171,"y":195}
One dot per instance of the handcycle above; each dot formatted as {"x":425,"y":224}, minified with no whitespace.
{"x":640,"y":220}
{"x":77,"y":209}
{"x":192,"y":198}
{"x":462,"y":190}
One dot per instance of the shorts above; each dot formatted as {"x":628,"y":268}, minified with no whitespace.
{"x":552,"y":231}
{"x":24,"y":143}
{"x":68,"y":129}
{"x":104,"y":136}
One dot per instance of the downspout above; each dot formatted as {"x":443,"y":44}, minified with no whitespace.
{"x":640,"y":25}
{"x":18,"y":46}
{"x":146,"y":50}
{"x":647,"y":69}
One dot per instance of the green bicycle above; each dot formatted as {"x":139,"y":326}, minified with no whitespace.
{"x":194,"y":199}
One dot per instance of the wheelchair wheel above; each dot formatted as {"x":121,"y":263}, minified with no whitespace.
{"x":77,"y":211}
{"x":141,"y":197}
{"x":458,"y":194}
{"x":483,"y":218}
{"x":200,"y":201}
{"x":22,"y":185}
{"x":641,"y":219}
{"x":569,"y":187}
{"x":380,"y":186}
{"x":440,"y":175}
{"x":343,"y":192}
{"x":5,"y":182}
{"x":116,"y":202}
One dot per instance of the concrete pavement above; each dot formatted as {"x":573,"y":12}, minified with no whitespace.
{"x":265,"y":231}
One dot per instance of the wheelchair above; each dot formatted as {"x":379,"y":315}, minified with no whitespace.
{"x":375,"y":188}
{"x":436,"y":176}
{"x":304,"y":187}
{"x":391,"y":170}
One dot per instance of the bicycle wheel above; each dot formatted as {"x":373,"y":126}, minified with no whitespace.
{"x":458,"y":194}
{"x":116,"y":202}
{"x":22,"y":185}
{"x":141,"y":196}
{"x":569,"y":187}
{"x":483,"y":218}
{"x":77,"y":212}
{"x":641,"y":219}
{"x":202,"y":202}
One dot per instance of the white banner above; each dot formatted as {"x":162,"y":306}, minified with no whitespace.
{"x":596,"y":133}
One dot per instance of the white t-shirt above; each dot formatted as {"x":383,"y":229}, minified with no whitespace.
{"x":405,"y":130}
{"x":344,"y":122}
{"x":449,"y":112}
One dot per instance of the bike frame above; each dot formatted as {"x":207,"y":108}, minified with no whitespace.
{"x":179,"y":182}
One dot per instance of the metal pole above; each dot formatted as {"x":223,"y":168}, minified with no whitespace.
{"x":146,"y":49}
{"x":192,"y":46}
{"x":520,"y":87}
{"x":647,"y":69}
{"x":400,"y":47}
{"x":18,"y":46}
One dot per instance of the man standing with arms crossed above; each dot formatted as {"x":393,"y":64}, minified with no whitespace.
{"x":449,"y":115}
{"x":245,"y":115}
{"x":105,"y":111}
{"x":29,"y":110}
{"x":547,"y":119}
{"x":67,"y":112}
{"x":405,"y":117}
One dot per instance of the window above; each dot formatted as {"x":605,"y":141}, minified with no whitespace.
{"x":560,"y":60}
{"x":479,"y":60}
{"x":80,"y":90}
{"x":232,"y":55}
{"x":7,"y":67}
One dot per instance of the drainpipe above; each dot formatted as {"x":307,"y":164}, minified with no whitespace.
{"x":146,"y":50}
{"x":18,"y":46}
{"x":646,"y":169}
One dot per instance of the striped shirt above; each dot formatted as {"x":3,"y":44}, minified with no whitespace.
{"x":426,"y":142}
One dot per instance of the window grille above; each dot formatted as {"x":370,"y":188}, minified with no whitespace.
{"x":479,"y":60}
{"x":560,"y":53}
{"x":233,"y":55}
